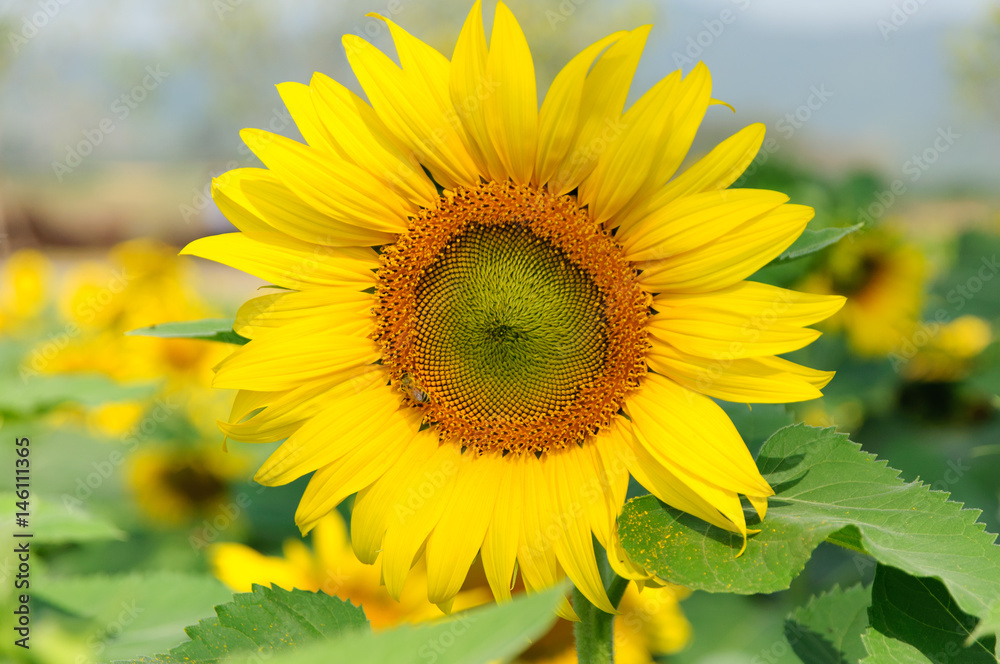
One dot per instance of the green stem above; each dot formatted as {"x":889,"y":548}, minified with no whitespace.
{"x":594,"y":633}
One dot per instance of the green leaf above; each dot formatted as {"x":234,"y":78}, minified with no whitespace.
{"x":135,"y":613}
{"x":812,"y":241}
{"x":264,"y":622}
{"x":917,"y":614}
{"x":990,"y":624}
{"x":749,"y":633}
{"x":486,"y":634}
{"x":54,"y":523}
{"x":38,"y":394}
{"x":209,"y":329}
{"x":826,"y":487}
{"x":829,"y":627}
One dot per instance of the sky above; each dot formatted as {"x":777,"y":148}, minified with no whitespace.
{"x":848,"y":83}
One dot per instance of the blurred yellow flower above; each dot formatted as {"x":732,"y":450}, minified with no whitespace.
{"x":882,"y":277}
{"x":948,"y":355}
{"x":25,"y":280}
{"x":333,"y":568}
{"x":651,"y":624}
{"x":115,"y":419}
{"x":142,"y":282}
{"x":174,"y":485}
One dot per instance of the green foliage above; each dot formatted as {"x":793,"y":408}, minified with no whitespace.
{"x":829,"y":627}
{"x":208,"y":329}
{"x":970,"y":286}
{"x":264,"y":622}
{"x":917,"y":614}
{"x":487,"y":634}
{"x":55,"y":523}
{"x":37,"y":394}
{"x":132,"y":614}
{"x":826,"y":488}
{"x":812,"y":241}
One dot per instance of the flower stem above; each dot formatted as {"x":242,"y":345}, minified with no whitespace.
{"x":595,"y":631}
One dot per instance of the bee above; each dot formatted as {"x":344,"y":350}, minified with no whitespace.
{"x":413,"y":390}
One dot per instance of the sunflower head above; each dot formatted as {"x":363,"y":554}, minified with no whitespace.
{"x":493,"y":312}
{"x":882,"y":275}
{"x":173,"y":486}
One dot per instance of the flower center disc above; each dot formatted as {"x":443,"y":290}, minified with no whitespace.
{"x":511,"y":318}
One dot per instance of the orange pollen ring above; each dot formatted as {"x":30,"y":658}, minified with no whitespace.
{"x":512,"y":319}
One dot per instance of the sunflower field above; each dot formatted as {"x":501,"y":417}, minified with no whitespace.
{"x":552,"y":332}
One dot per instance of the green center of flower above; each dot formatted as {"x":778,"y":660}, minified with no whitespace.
{"x":506,"y":325}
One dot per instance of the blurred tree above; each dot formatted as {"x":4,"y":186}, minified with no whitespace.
{"x":977,"y":66}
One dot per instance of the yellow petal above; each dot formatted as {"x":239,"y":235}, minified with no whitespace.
{"x":732,"y":257}
{"x":604,"y":92}
{"x":747,"y":380}
{"x":754,"y":304}
{"x":687,"y":429}
{"x":410,"y":111}
{"x":287,"y":262}
{"x":535,"y":554}
{"x":284,"y":211}
{"x":232,"y":203}
{"x":240,"y":567}
{"x":687,"y":109}
{"x":284,"y":413}
{"x":716,"y":170}
{"x":460,"y":532}
{"x":336,"y":187}
{"x":341,"y":310}
{"x":374,"y":504}
{"x":719,"y":168}
{"x":512,"y":113}
{"x":368,"y":143}
{"x":423,"y":499}
{"x":694,"y":221}
{"x":571,"y":532}
{"x":698,"y":498}
{"x":499,"y":551}
{"x":470,"y":88}
{"x":559,"y":118}
{"x":687,"y":332}
{"x":247,"y":401}
{"x":283,"y":361}
{"x":660,"y":482}
{"x":625,"y":164}
{"x":331,"y":484}
{"x":347,"y":425}
{"x":299,"y":101}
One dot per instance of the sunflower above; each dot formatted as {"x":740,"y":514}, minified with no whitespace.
{"x":25,"y":282}
{"x":650,"y":624}
{"x":332,"y":568}
{"x":491,"y":315}
{"x":882,"y":275}
{"x":140,"y":283}
{"x":173,"y":485}
{"x":948,"y":354}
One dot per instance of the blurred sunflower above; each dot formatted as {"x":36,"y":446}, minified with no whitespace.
{"x":550,"y":308}
{"x":142,"y":283}
{"x":333,"y":568}
{"x":948,"y":355}
{"x":25,"y":282}
{"x":174,"y":485}
{"x":650,"y":624}
{"x":882,"y":277}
